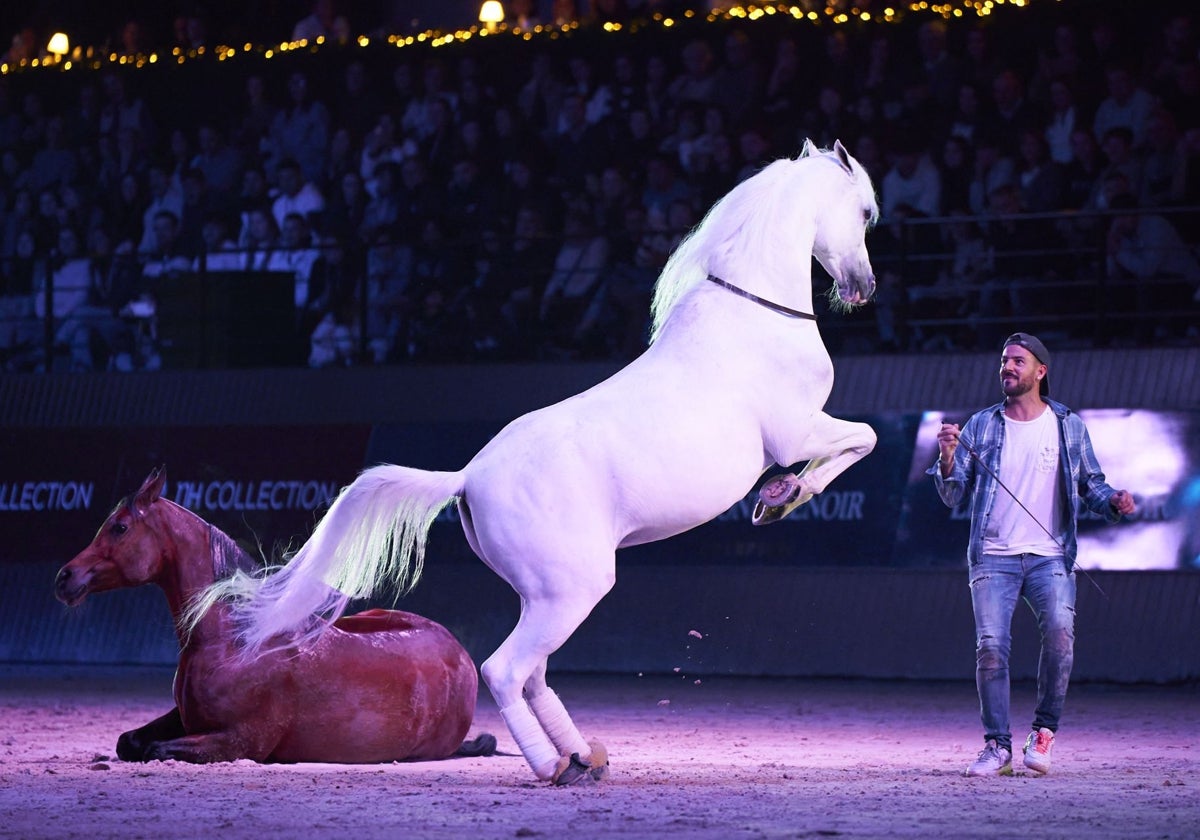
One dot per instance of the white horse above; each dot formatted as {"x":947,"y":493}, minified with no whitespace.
{"x":733,"y":382}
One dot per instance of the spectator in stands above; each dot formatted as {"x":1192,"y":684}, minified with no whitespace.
{"x":345,"y":211}
{"x":941,"y":71}
{"x":1127,"y":105}
{"x":955,"y":292}
{"x":54,"y":163}
{"x":569,"y":311}
{"x":383,"y":146}
{"x":993,"y":169}
{"x":122,"y":212}
{"x":1120,"y":158}
{"x":699,"y":81}
{"x":1064,"y":117}
{"x":437,"y":146}
{"x":1040,"y":179}
{"x":300,"y":131}
{"x":93,"y":333}
{"x":165,"y":257}
{"x":323,"y":21}
{"x":580,"y":150}
{"x":120,"y":110}
{"x":382,"y":211}
{"x":335,"y":340}
{"x":420,"y":198}
{"x":1164,"y":162}
{"x":16,"y":220}
{"x":165,"y":195}
{"x":1082,"y":174}
{"x":1009,"y":111}
{"x":419,"y":119}
{"x":260,"y":238}
{"x":295,"y":254}
{"x":967,"y":119}
{"x":20,"y":330}
{"x":1020,"y":253}
{"x":120,"y":155}
{"x":259,"y":113}
{"x":438,"y":264}
{"x":912,"y":181}
{"x":471,"y":202}
{"x":523,"y":270}
{"x":198,"y":204}
{"x":220,"y":163}
{"x":218,"y":251}
{"x":1147,"y":249}
{"x":357,"y":108}
{"x":955,"y":170}
{"x":742,"y":77}
{"x":296,"y":194}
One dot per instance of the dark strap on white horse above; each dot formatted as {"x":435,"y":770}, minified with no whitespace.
{"x":778,"y":307}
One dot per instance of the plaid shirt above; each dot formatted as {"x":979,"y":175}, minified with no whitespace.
{"x":1083,"y":480}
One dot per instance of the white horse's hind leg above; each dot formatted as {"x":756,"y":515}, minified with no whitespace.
{"x":552,"y":715}
{"x":848,"y":442}
{"x":538,"y":722}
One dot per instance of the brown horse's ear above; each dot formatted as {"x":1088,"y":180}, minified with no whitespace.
{"x":150,"y":490}
{"x":842,"y":155}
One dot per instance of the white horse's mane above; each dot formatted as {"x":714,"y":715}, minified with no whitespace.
{"x":743,"y":229}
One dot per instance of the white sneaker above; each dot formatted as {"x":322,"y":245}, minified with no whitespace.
{"x":993,"y":760}
{"x":1037,"y":750}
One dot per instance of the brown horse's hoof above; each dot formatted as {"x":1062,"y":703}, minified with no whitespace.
{"x":777,"y":498}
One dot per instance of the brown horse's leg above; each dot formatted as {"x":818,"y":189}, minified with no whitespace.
{"x":133,"y":745}
{"x":210,"y":747}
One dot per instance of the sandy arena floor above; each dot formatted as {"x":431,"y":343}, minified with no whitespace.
{"x":718,"y":758}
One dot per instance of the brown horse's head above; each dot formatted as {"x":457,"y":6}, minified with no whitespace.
{"x":124,"y":552}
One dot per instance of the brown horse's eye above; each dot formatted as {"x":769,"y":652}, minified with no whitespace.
{"x":119,"y":528}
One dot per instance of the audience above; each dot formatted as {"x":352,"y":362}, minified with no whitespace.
{"x":437,"y":207}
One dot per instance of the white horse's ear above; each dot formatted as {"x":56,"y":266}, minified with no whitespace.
{"x":843,"y":156}
{"x":808,"y":148}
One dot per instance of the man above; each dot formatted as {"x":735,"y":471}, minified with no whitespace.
{"x":1027,"y":464}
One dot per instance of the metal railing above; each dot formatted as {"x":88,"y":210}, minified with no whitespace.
{"x":947,"y":283}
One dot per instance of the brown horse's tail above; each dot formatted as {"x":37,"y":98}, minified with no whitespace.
{"x":482,"y":745}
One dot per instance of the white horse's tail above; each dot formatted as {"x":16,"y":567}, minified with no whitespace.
{"x":373,"y":535}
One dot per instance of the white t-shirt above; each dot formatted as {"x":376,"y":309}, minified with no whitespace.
{"x":1029,"y":468}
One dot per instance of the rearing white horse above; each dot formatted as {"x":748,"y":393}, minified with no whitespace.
{"x":733,"y":382}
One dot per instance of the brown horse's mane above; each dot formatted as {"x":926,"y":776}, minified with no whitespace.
{"x":227,"y":556}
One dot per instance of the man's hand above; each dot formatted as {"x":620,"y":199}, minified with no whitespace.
{"x":1122,"y":502}
{"x":947,"y":439}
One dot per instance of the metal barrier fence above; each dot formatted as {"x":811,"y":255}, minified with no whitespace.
{"x":1091,"y":279}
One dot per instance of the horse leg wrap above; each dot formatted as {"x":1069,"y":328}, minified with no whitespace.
{"x":556,"y":723}
{"x":539,"y":753}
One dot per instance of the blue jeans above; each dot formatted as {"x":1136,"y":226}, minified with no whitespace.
{"x":1049,"y":588}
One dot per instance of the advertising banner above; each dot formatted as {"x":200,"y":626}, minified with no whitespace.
{"x":267,"y":486}
{"x":259,"y":485}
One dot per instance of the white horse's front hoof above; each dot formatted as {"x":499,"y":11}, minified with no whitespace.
{"x":777,"y":498}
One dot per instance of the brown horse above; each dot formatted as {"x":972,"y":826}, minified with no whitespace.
{"x":381,"y":685}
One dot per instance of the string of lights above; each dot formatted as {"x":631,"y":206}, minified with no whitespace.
{"x":60,"y":56}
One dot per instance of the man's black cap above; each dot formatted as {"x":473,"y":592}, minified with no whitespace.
{"x":1034,"y":346}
